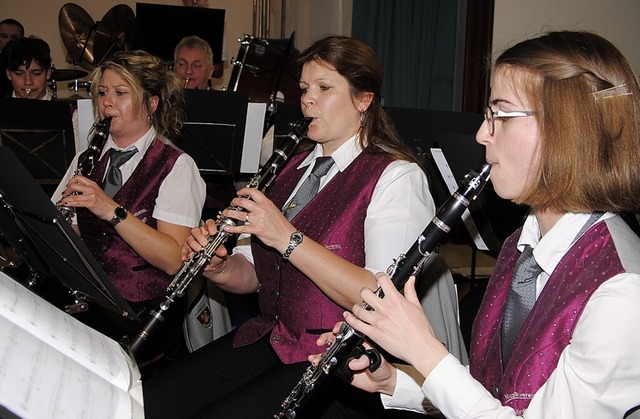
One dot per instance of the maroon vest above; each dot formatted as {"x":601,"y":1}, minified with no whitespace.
{"x":132,"y":276}
{"x":292,"y":307}
{"x":549,"y":327}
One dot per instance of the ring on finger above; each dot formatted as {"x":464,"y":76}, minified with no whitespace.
{"x":246,"y":218}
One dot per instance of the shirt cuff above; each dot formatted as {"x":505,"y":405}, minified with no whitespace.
{"x":452,"y":389}
{"x":408,"y":392}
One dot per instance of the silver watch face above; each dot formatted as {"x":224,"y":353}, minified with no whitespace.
{"x":296,"y":237}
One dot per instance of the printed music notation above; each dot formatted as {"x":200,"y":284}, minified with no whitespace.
{"x":52,"y":365}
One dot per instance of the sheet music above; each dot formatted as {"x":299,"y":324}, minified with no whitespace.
{"x":253,"y":137}
{"x":52,"y":365}
{"x":452,"y":185}
{"x":85,"y":122}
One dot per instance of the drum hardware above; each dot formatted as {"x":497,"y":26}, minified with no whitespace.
{"x":62,"y":75}
{"x":76,"y":85}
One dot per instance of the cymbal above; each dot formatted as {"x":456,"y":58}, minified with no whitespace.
{"x":64,"y":75}
{"x":77,"y":29}
{"x":114,"y":32}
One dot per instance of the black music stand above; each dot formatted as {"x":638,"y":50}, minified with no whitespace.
{"x":40,"y":132}
{"x":159,"y":28}
{"x":49,"y":246}
{"x":454,"y":133}
{"x":214,"y":129}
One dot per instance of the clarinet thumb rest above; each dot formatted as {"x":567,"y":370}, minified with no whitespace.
{"x":375,"y":360}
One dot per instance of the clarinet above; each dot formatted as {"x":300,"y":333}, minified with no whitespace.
{"x":193,"y":266}
{"x":89,"y":159}
{"x":349,"y":342}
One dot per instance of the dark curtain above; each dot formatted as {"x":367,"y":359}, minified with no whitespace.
{"x":416,"y":42}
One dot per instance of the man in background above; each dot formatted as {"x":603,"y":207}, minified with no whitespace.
{"x":193,"y":62}
{"x":218,"y":67}
{"x":10,"y":30}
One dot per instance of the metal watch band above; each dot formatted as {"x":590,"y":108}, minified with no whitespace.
{"x":294,"y":241}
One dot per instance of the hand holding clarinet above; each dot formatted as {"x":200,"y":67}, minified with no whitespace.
{"x":378,"y":316}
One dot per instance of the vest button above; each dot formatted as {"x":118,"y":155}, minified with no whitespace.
{"x":276,"y":339}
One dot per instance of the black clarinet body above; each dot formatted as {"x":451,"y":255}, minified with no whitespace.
{"x":193,"y":266}
{"x":88,"y":160}
{"x":349,"y":342}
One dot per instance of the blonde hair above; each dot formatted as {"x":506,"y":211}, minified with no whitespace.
{"x":147,"y":76}
{"x":590,"y":141}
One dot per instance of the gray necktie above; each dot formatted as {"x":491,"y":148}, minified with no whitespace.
{"x":113,"y":181}
{"x":520,"y":300}
{"x":309,"y":188}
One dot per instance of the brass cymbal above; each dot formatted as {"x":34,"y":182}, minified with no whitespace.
{"x":64,"y":74}
{"x":77,"y":29}
{"x":114,"y":32}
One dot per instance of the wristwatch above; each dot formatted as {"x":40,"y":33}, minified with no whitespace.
{"x":294,"y":240}
{"x":119,"y":214}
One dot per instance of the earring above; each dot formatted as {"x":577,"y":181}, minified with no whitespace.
{"x":362,"y":115}
{"x":150,"y":119}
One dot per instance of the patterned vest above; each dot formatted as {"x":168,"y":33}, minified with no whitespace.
{"x":132,"y":276}
{"x":292,"y":307}
{"x":550,"y":325}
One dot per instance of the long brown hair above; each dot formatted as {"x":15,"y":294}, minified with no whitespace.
{"x":587,"y":104}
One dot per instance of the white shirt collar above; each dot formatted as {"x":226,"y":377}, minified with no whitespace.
{"x":549,"y":249}
{"x":47,"y":96}
{"x":343,"y":156}
{"x":142,"y":144}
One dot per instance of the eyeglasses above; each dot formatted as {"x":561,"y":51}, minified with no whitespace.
{"x":490,"y":116}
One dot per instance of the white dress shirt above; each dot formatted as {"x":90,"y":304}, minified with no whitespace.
{"x":182,"y":193}
{"x":598,"y":373}
{"x":400,"y":208}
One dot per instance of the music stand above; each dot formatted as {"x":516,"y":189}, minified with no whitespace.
{"x":214,"y":130}
{"x":454,"y":133}
{"x":159,"y":28}
{"x":47,"y":243}
{"x":40,"y":132}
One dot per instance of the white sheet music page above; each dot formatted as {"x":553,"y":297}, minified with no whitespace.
{"x":452,"y":185}
{"x":53,"y":366}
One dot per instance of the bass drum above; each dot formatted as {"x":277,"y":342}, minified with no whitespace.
{"x":266,"y":71}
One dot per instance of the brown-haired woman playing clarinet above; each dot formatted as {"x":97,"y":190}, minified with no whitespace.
{"x":307,"y":262}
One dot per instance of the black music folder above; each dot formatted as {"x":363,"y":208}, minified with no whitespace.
{"x":53,"y":251}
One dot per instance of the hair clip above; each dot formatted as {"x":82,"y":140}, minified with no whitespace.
{"x":619,"y":90}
